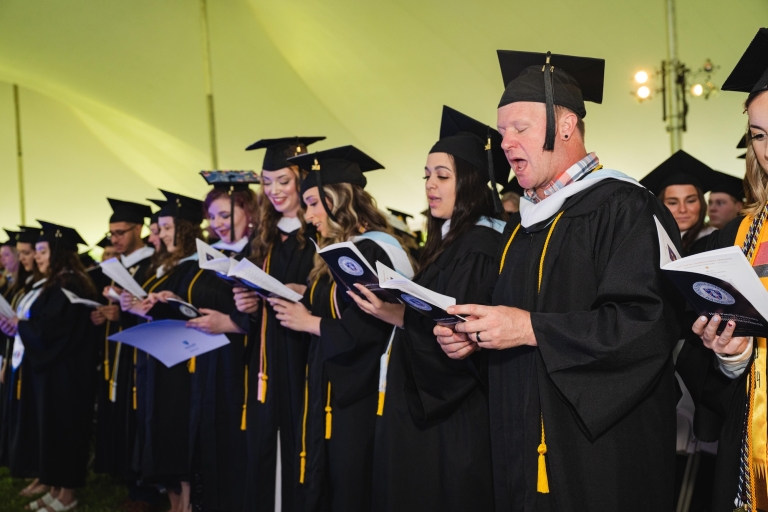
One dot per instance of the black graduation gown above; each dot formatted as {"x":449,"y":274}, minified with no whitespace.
{"x":6,"y":344}
{"x":282,"y":411}
{"x":20,"y":433}
{"x":606,"y":321}
{"x":116,"y":416}
{"x":345,"y":361}
{"x":163,"y":396}
{"x":57,"y":339}
{"x":720,"y":402}
{"x":432,"y":447}
{"x":218,"y":455}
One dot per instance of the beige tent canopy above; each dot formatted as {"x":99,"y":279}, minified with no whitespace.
{"x":112,"y":95}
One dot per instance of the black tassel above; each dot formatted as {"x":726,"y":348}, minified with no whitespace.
{"x":321,"y":192}
{"x":232,"y":214}
{"x":489,"y":152}
{"x":549,"y":93}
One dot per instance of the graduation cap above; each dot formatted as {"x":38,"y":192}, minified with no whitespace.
{"x":400,"y":215}
{"x":159,"y":203}
{"x":552,"y":79}
{"x":59,"y":236}
{"x":27,"y":235}
{"x":12,"y":235}
{"x":345,"y":164}
{"x":105,"y":242}
{"x":476,"y":143}
{"x":751,"y":73}
{"x":279,"y":150}
{"x":181,"y":207}
{"x":231,"y":182}
{"x":680,"y":169}
{"x":729,"y":185}
{"x":742,"y":145}
{"x":126,"y":211}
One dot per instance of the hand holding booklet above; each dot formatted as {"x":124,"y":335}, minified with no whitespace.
{"x":718,"y":282}
{"x":349,"y":267}
{"x":114,"y":269}
{"x":423,"y":300}
{"x":243,"y":273}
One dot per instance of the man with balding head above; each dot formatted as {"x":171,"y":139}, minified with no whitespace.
{"x":579,"y":340}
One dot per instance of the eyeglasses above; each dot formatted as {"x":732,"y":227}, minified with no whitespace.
{"x":118,"y":233}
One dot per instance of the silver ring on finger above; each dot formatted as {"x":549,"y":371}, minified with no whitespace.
{"x":477,"y":336}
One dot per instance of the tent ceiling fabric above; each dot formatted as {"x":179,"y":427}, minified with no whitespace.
{"x":112,"y":94}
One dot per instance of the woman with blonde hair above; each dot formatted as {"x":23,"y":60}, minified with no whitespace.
{"x":335,"y":460}
{"x":723,"y":372}
{"x":278,"y":356}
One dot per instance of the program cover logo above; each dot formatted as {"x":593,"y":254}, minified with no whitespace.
{"x":713,"y":293}
{"x":416,"y":303}
{"x":350,"y":266}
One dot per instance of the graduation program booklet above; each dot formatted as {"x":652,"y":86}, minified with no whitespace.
{"x":243,"y":273}
{"x":115,"y":270}
{"x":174,"y":309}
{"x":74,"y":299}
{"x":718,"y":282}
{"x":423,"y":300}
{"x":169,"y":341}
{"x":349,"y":267}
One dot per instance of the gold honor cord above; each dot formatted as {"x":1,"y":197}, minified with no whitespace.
{"x":542,"y":481}
{"x":135,"y":350}
{"x":383,"y":394}
{"x":303,"y":454}
{"x":261,"y":391}
{"x":328,"y":408}
{"x":192,"y":364}
{"x":243,"y":423}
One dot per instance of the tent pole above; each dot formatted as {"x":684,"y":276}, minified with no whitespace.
{"x":19,"y":154}
{"x":208,"y":74}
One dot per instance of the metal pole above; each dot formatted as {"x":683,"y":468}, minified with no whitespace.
{"x":208,"y":76}
{"x":19,"y":155}
{"x":674,"y":119}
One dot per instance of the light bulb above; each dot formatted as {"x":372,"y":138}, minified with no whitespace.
{"x":641,"y":77}
{"x":697,"y":90}
{"x":643,"y":92}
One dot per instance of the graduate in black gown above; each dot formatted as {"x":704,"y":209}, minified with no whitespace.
{"x":19,"y":434}
{"x":337,"y":431}
{"x":9,"y":259}
{"x":725,"y":373}
{"x":162,"y":394}
{"x":218,"y":452}
{"x":56,"y":335}
{"x":581,"y":381}
{"x":277,"y":356}
{"x":116,"y":415}
{"x":433,"y":409}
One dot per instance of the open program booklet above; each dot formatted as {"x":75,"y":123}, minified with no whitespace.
{"x":243,"y":273}
{"x":718,"y":282}
{"x":423,"y":300}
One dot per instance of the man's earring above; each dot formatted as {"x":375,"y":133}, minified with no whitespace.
{"x":566,"y":136}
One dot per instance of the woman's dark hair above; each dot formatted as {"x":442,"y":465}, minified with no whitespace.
{"x":473,"y":200}
{"x":65,"y":267}
{"x":692,"y":234}
{"x":186,"y":234}
{"x":22,"y":275}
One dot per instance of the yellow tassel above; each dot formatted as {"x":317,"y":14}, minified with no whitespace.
{"x":303,"y":466}
{"x":380,"y":410}
{"x":542,"y":483}
{"x":192,"y":365}
{"x":134,"y":398}
{"x":18,"y":387}
{"x":328,"y":414}
{"x":111,"y":390}
{"x":135,"y":357}
{"x":262,"y":389}
{"x":303,"y":454}
{"x":106,"y":354}
{"x":243,"y":424}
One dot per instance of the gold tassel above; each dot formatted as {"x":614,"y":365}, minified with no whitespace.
{"x":303,"y":454}
{"x":243,"y":424}
{"x":262,"y":389}
{"x":135,"y":356}
{"x":328,"y":414}
{"x":106,"y":353}
{"x":18,"y":387}
{"x":192,"y":365}
{"x":303,"y":466}
{"x":542,"y":483}
{"x":380,"y":410}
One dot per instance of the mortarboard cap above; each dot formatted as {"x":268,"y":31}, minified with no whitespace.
{"x":279,"y":150}
{"x":28,"y":235}
{"x":105,"y":242}
{"x":751,"y":72}
{"x":60,"y":236}
{"x":159,"y":203}
{"x":181,"y":207}
{"x":345,"y":164}
{"x":680,"y":169}
{"x":12,"y":236}
{"x":551,"y":79}
{"x":742,"y":145}
{"x":126,"y":211}
{"x":729,"y":185}
{"x":400,"y":215}
{"x":474,"y":142}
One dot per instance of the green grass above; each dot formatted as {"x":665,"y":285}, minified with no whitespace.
{"x":100,"y":494}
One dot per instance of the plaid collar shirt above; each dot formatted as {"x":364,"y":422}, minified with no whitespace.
{"x":574,"y":173}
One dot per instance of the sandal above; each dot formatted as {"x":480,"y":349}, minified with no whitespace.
{"x":58,"y":506}
{"x":46,"y":500}
{"x":34,"y":488}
